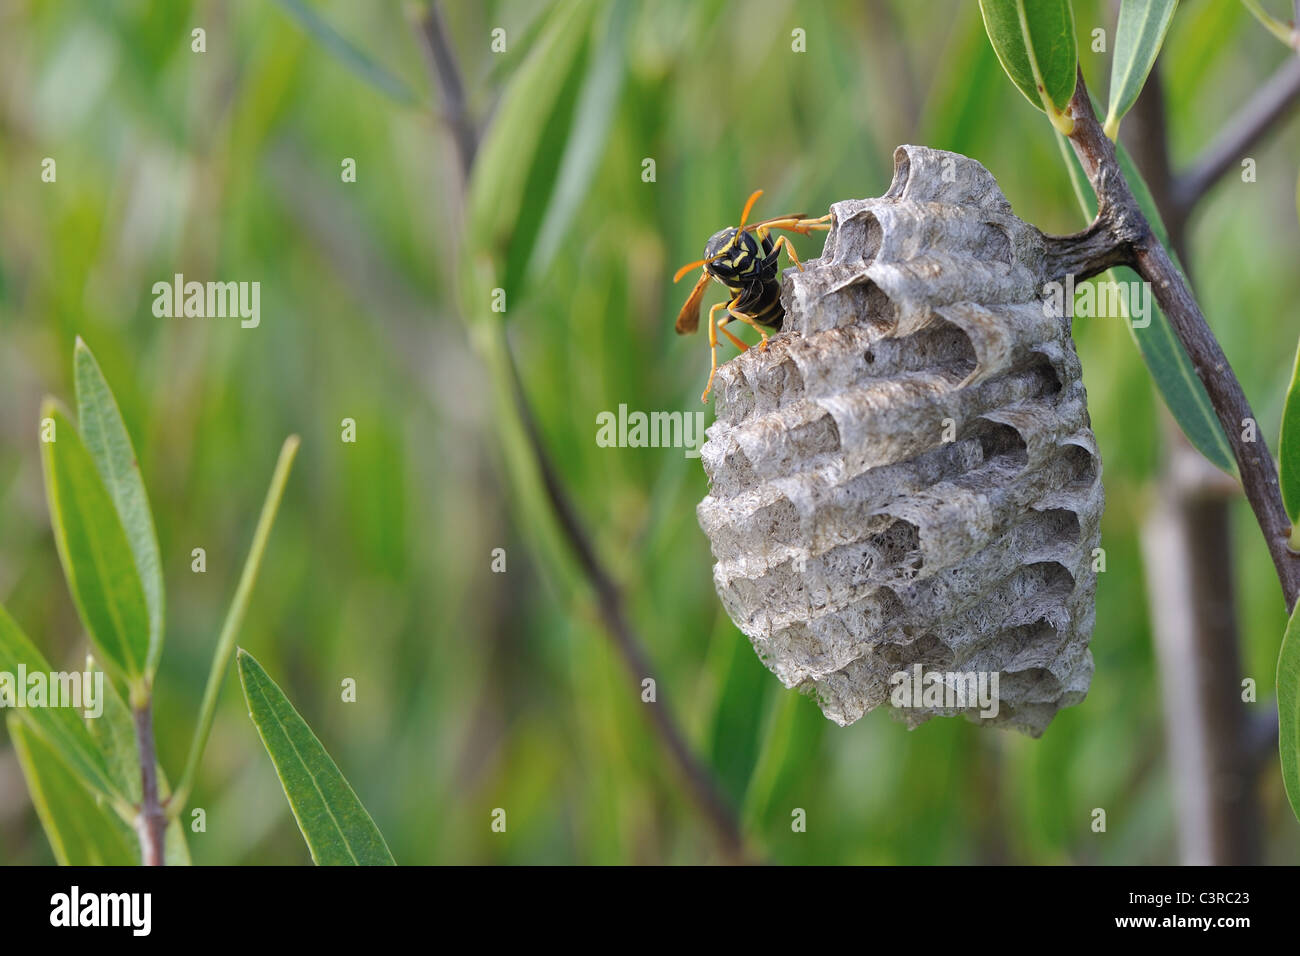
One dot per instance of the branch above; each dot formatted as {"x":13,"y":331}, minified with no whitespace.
{"x":694,"y":773}
{"x":442,"y":61}
{"x":151,"y":821}
{"x":610,"y":603}
{"x":1132,"y":233}
{"x":1253,"y":121}
{"x":1088,"y":253}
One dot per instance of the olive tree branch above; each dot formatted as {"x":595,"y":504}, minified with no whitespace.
{"x":1135,"y":244}
{"x":151,"y":821}
{"x":441,"y":58}
{"x":698,"y":778}
{"x":1251,"y":123}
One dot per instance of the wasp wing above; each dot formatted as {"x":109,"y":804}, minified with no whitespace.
{"x":688,"y":320}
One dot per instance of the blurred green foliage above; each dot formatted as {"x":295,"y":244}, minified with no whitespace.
{"x":479,"y":690}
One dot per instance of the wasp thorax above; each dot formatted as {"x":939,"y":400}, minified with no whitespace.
{"x":905,"y":493}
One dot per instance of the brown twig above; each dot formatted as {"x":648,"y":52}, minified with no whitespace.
{"x":151,"y":821}
{"x":694,"y":773}
{"x":442,"y":61}
{"x":1131,"y":234}
{"x":1251,"y":123}
{"x":609,"y":600}
{"x":1088,"y":253}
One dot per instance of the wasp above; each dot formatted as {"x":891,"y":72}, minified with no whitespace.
{"x":744,"y":260}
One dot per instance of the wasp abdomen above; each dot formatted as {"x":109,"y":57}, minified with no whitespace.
{"x":762,"y":301}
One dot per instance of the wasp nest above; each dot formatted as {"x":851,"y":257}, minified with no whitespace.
{"x":906,"y":475}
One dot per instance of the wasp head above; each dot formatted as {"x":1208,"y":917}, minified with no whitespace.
{"x":730,"y":256}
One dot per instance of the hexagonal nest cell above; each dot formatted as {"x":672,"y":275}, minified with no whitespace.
{"x":906,"y":475}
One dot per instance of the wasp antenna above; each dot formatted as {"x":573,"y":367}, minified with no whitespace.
{"x":744,"y":216}
{"x":689,"y":267}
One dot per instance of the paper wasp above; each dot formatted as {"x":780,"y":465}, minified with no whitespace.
{"x":744,"y":260}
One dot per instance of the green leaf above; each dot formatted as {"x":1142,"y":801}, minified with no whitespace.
{"x":1288,"y":710}
{"x":744,"y":686}
{"x":1288,"y":455}
{"x":594,"y":112}
{"x":114,"y":732}
{"x":1168,"y":363}
{"x":81,"y":831}
{"x":60,"y":728}
{"x":235,"y":616}
{"x":337,"y":828}
{"x":1034,"y":40}
{"x":1138,"y":38}
{"x":518,"y":165}
{"x":97,"y":559}
{"x":348,"y":53}
{"x":109,"y":445}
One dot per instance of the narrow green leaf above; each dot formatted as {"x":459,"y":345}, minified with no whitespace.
{"x":337,"y":828}
{"x":516,"y":171}
{"x":1168,"y":363}
{"x":1183,"y":392}
{"x":1034,"y":40}
{"x":235,"y":617}
{"x":743,"y":687}
{"x":1138,"y":38}
{"x":60,"y":728}
{"x":792,"y":738}
{"x":1288,"y":455}
{"x":97,"y":559}
{"x":81,"y":831}
{"x":1288,"y":710}
{"x":109,"y":445}
{"x":348,"y":53}
{"x":593,"y":115}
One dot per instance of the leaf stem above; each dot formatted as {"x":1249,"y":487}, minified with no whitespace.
{"x":234,"y":618}
{"x":1288,"y":35}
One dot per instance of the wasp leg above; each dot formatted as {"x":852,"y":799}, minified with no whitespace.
{"x":798,"y":224}
{"x":789,"y":248}
{"x":713,"y":348}
{"x":734,"y":341}
{"x":749,"y":320}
